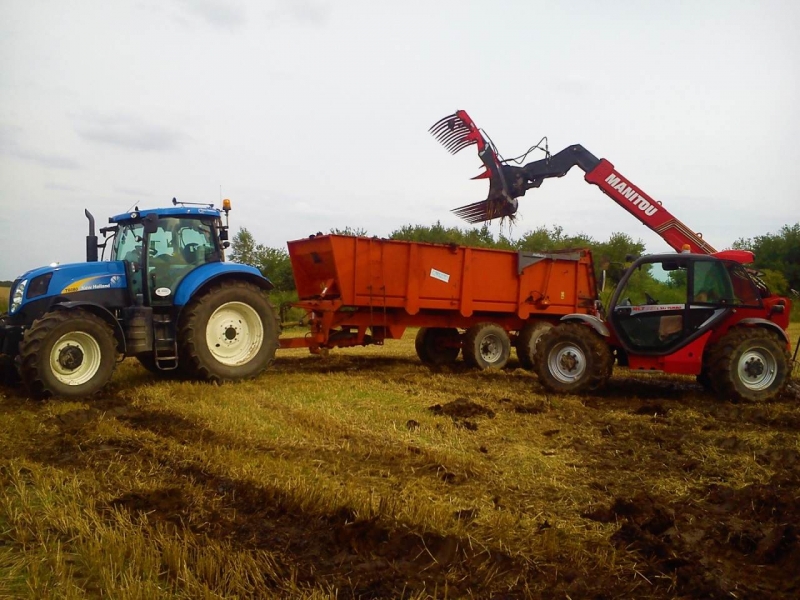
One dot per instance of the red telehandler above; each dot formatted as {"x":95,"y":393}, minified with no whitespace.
{"x":697,"y":311}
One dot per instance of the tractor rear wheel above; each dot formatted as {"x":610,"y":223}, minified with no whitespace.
{"x":228,"y":333}
{"x":527,"y":340}
{"x":434,"y":345}
{"x":486,"y":346}
{"x":69,"y":353}
{"x":573,"y":358}
{"x":748,"y":363}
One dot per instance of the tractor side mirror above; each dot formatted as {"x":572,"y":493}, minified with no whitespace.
{"x":150,"y":223}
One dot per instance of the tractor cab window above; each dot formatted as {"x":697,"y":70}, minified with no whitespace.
{"x":128,"y":246}
{"x":178,"y":246}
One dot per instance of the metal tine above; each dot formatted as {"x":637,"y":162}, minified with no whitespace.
{"x":445,"y":121}
{"x":452,"y":137}
{"x":457,"y":149}
{"x":455,"y":133}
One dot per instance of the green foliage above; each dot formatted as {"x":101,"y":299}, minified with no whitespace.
{"x":777,"y":252}
{"x":272,"y":262}
{"x":438,"y":234}
{"x":354,"y":231}
{"x":775,"y":281}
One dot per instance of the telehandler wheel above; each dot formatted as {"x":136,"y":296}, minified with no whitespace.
{"x":69,"y":353}
{"x":573,"y":358}
{"x":527,"y":340}
{"x":432,"y":345}
{"x":748,"y":363}
{"x":228,"y":333}
{"x":486,"y":346}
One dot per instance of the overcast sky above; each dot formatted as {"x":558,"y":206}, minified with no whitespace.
{"x":313,"y":114}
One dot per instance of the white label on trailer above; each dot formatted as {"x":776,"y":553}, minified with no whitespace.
{"x":441,"y":276}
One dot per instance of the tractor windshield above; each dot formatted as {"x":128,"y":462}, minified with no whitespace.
{"x":128,"y":243}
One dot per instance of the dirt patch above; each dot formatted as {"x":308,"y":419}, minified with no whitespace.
{"x":731,"y":543}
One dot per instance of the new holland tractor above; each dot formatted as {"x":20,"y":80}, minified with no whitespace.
{"x":165,"y":295}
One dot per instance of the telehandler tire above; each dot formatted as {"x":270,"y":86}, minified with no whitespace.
{"x":228,"y":333}
{"x":68,"y":353}
{"x":432,"y":348}
{"x":528,"y":339}
{"x":486,"y":346}
{"x":748,"y":363}
{"x":573,"y":358}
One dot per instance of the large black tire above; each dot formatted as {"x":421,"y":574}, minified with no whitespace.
{"x":748,"y":363}
{"x":69,"y":353}
{"x":573,"y":358}
{"x":528,"y":339}
{"x":434,"y":345}
{"x":486,"y":346}
{"x":228,"y":333}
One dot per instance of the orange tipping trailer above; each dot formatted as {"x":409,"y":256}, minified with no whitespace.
{"x":358,"y":291}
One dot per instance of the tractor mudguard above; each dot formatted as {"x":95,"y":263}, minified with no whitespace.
{"x":755,"y":322}
{"x":595,"y":322}
{"x":100,"y":311}
{"x":205,"y":274}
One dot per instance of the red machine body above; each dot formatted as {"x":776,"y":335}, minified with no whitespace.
{"x":716,"y":319}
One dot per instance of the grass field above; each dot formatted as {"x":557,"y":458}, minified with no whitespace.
{"x":364,"y":474}
{"x":4,"y":291}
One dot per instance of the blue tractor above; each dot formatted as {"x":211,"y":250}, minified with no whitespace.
{"x":165,"y":295}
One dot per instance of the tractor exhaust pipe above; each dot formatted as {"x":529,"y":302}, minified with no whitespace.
{"x":91,"y":239}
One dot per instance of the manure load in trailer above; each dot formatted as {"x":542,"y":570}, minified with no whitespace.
{"x":358,"y":290}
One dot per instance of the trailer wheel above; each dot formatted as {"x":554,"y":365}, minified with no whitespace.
{"x":70,"y":353}
{"x":573,"y":358}
{"x":486,"y":346}
{"x":528,"y":339}
{"x":748,"y":363}
{"x":228,"y":333}
{"x":432,"y":345}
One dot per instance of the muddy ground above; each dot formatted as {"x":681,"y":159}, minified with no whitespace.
{"x":733,"y":531}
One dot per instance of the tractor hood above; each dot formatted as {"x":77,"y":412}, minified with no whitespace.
{"x":73,"y":277}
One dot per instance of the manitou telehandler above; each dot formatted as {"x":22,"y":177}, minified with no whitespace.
{"x":165,"y":295}
{"x":697,"y":312}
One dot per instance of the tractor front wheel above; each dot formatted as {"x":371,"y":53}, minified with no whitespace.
{"x":437,"y":345}
{"x":572,"y":358}
{"x":70,"y":353}
{"x":748,"y":363}
{"x":229,"y":333}
{"x":486,"y":346}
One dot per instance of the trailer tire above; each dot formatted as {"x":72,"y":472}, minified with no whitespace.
{"x":431,"y":347}
{"x":528,"y":339}
{"x":748,"y":363}
{"x":486,"y":346}
{"x":230,"y":332}
{"x":69,"y":353}
{"x":573,"y":358}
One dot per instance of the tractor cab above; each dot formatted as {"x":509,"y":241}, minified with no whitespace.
{"x":666,"y":301}
{"x":161,"y":247}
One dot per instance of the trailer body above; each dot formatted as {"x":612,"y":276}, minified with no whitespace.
{"x":359,"y":290}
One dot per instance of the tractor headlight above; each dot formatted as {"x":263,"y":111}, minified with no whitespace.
{"x":17,"y":295}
